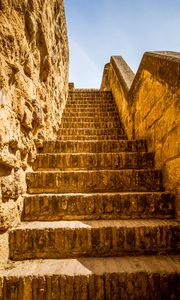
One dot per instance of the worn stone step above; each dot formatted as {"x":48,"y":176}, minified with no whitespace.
{"x":93,"y":106}
{"x":104,"y":102}
{"x":70,"y":239}
{"x":94,"y":181}
{"x":117,"y":278}
{"x":92,"y":125}
{"x":91,"y":137}
{"x":93,"y":146}
{"x":91,"y":161}
{"x":107,"y":206}
{"x":90,"y":95}
{"x":90,"y":131}
{"x":85,"y":114}
{"x":90,"y":120}
{"x":90,"y":109}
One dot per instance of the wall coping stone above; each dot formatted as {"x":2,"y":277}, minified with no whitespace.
{"x":123,"y":72}
{"x":164,"y":65}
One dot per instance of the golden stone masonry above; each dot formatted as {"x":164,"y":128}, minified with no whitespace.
{"x":89,"y":178}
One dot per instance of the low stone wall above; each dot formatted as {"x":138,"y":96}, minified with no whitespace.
{"x":151,"y":108}
{"x":33,"y":89}
{"x":118,"y":78}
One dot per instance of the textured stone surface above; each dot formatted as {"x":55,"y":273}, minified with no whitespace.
{"x":150,"y":108}
{"x":98,"y":206}
{"x":4,"y":250}
{"x":91,"y":137}
{"x":119,"y":79}
{"x":90,"y":161}
{"x":157,"y":116}
{"x":126,"y":278}
{"x":94,"y":181}
{"x":93,"y":146}
{"x":65,"y":239}
{"x":33,"y":90}
{"x":95,"y":132}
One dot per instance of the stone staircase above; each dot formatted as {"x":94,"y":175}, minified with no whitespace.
{"x":97,"y":223}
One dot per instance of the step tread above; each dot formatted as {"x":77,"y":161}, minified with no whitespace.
{"x":99,"y":266}
{"x":94,"y":180}
{"x":95,"y":224}
{"x":97,"y":154}
{"x":100,"y":194}
{"x":91,"y":137}
{"x":101,"y":160}
{"x":98,"y":206}
{"x":95,"y":171}
{"x":94,"y":146}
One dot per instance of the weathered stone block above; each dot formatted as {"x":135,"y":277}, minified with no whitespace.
{"x":108,"y":206}
{"x":66,"y":239}
{"x":93,"y":146}
{"x":94,"y":181}
{"x":93,"y":161}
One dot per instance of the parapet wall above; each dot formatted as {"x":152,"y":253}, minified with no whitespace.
{"x":33,"y":89}
{"x":149,"y":106}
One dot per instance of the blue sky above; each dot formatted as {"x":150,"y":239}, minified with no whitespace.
{"x":98,"y":29}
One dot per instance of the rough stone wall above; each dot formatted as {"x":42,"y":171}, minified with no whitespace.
{"x":150,"y":109}
{"x":33,"y":89}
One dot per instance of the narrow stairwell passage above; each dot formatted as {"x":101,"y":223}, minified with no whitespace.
{"x":97,"y":223}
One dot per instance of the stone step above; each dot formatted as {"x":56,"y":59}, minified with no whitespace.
{"x":112,"y":278}
{"x":71,"y":239}
{"x":94,"y":181}
{"x":90,"y":120}
{"x":91,"y":161}
{"x":92,"y":105}
{"x":87,"y":131}
{"x":90,"y":101}
{"x":85,"y":114}
{"x":92,"y":109}
{"x":94,"y":146}
{"x":91,"y":137}
{"x":92,"y":125}
{"x":107,"y":206}
{"x":90,"y":95}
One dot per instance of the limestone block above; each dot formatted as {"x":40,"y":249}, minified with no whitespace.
{"x":172,"y":173}
{"x":171,"y":145}
{"x":9,"y":215}
{"x":8,"y":187}
{"x":4,"y":251}
{"x":7,"y":159}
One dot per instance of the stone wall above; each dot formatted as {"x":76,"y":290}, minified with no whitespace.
{"x":118,"y":78}
{"x":33,"y":89}
{"x":151,"y":108}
